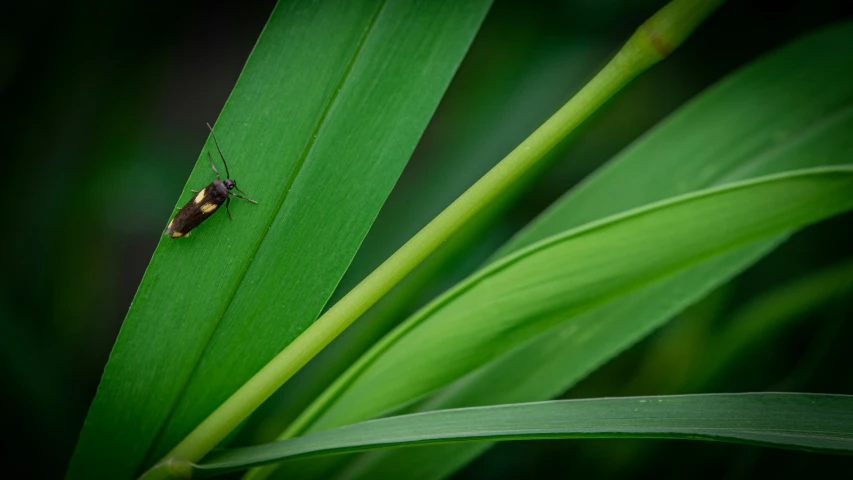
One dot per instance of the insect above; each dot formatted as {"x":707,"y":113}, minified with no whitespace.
{"x":206,"y":200}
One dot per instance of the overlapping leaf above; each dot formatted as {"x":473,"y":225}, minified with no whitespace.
{"x":321,"y":122}
{"x":790,"y":420}
{"x":563,"y":276}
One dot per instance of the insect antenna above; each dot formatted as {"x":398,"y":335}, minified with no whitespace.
{"x":227,"y":175}
{"x":213,"y":166}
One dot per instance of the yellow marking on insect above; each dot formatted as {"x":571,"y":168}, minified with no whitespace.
{"x":200,"y":196}
{"x":208,"y":207}
{"x":177,"y":234}
{"x":170,"y":223}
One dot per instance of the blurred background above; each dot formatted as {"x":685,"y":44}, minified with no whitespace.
{"x":104,"y":108}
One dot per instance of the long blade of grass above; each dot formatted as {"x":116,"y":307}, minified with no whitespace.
{"x":322,"y":120}
{"x":821,"y":423}
{"x":543,"y":285}
{"x":792,"y":109}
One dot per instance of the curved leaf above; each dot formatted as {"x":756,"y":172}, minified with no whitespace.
{"x":322,"y":120}
{"x":517,"y":298}
{"x":822,"y":423}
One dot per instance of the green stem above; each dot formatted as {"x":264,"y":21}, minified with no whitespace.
{"x":653,"y":41}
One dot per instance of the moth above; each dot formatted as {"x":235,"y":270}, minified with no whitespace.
{"x":207,"y":200}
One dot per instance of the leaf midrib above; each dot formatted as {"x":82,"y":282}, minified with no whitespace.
{"x":300,"y":162}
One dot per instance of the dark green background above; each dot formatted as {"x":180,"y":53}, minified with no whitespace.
{"x":104,"y":105}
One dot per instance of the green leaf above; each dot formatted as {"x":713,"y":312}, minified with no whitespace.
{"x":768,"y":315}
{"x":821,"y":423}
{"x":320,"y":124}
{"x":514,"y":299}
{"x":791,"y":109}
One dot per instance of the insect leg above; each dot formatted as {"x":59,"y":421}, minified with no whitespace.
{"x":240,"y":196}
{"x":227,"y":203}
{"x":212,"y":165}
